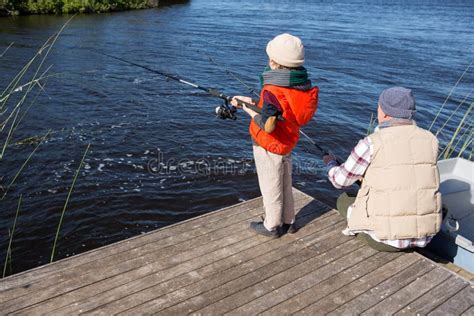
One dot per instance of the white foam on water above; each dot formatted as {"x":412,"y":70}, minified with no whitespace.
{"x":101,"y":166}
{"x":87,"y":166}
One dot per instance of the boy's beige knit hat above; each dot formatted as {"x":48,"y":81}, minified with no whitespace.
{"x":287,"y":50}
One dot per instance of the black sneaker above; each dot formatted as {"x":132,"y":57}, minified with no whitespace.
{"x":261,"y":230}
{"x":289,"y":228}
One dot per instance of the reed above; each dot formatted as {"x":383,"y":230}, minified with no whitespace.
{"x":13,"y":107}
{"x":15,"y":87}
{"x":453,"y":113}
{"x":6,"y":49}
{"x":17,"y":174}
{"x":66,"y":203}
{"x":458,"y":142}
{"x":372,"y":124}
{"x":451,"y":145}
{"x":449,"y":95}
{"x":11,"y":233}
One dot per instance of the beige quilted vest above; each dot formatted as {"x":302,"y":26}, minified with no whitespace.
{"x":399,"y":196}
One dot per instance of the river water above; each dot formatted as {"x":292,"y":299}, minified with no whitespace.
{"x":158,"y":155}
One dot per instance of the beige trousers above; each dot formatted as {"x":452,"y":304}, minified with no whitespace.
{"x":274,"y":179}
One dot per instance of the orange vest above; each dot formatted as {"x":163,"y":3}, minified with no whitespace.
{"x":298,"y":108}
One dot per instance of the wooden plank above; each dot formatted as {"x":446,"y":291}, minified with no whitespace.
{"x":315,"y":285}
{"x":469,"y":312}
{"x":136,"y":257}
{"x":371,"y":297}
{"x":130,"y":243}
{"x":19,"y":286}
{"x":456,"y":305}
{"x":306,"y":273}
{"x":101,"y":253}
{"x":340,"y":289}
{"x":204,"y":294}
{"x":128,"y":270}
{"x":142,"y":290}
{"x":177,"y":291}
{"x":183,"y":231}
{"x":112,"y":273}
{"x":403,"y":297}
{"x":100,"y":294}
{"x":432,"y":299}
{"x":220,"y":266}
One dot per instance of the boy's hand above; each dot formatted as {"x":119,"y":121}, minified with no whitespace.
{"x":241,"y":98}
{"x":249,"y":111}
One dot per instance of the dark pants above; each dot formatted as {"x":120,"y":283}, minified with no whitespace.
{"x":343,"y":203}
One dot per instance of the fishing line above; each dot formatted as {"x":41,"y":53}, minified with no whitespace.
{"x":224,"y":111}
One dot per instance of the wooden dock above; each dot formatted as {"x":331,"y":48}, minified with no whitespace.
{"x":213,"y":265}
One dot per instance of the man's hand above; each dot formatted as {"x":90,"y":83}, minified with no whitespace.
{"x":241,"y":98}
{"x":329,"y":157}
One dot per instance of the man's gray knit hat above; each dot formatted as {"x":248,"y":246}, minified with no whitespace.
{"x":398,"y":102}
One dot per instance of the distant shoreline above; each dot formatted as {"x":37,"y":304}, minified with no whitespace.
{"x":25,"y":7}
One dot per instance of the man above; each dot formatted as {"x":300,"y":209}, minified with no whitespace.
{"x":398,"y":205}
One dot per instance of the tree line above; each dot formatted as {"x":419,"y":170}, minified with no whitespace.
{"x":20,"y":7}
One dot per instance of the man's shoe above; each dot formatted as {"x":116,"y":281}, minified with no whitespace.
{"x":260,"y":229}
{"x":289,"y":228}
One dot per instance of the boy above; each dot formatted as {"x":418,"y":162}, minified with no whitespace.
{"x":288,"y":101}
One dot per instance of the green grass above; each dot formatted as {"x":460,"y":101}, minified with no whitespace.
{"x":16,"y":100}
{"x":66,"y":203}
{"x":372,"y":124}
{"x":457,"y":142}
{"x":8,"y":257}
{"x":462,"y":135}
{"x":449,"y":95}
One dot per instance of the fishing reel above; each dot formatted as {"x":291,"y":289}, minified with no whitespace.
{"x":226,"y":111}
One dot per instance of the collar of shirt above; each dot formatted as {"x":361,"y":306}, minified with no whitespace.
{"x":395,"y":122}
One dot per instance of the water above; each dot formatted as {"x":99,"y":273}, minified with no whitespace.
{"x":134,"y":119}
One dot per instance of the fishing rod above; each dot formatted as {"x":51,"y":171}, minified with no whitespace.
{"x":252,"y":90}
{"x":224,"y":111}
{"x":324,"y":151}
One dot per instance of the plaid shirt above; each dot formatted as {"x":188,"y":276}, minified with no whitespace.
{"x":353,"y":169}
